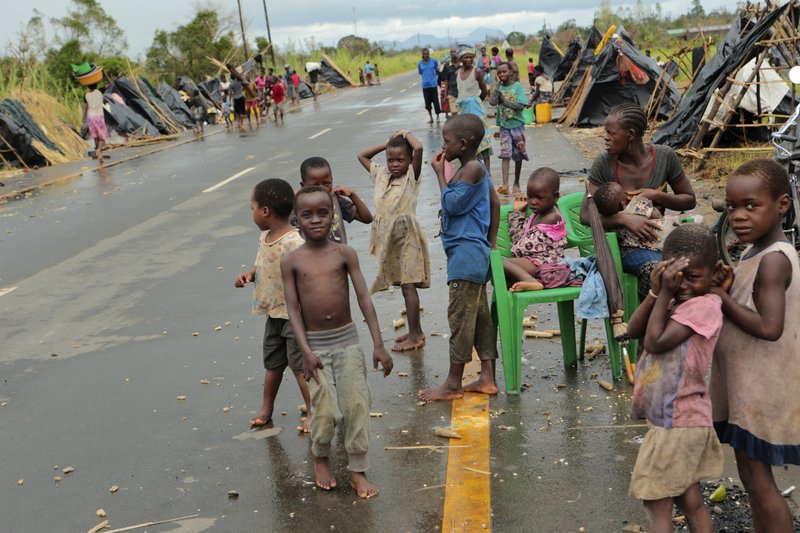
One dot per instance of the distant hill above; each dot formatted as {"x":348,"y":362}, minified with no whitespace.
{"x":475,"y":36}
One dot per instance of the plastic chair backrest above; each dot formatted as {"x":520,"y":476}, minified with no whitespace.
{"x":503,"y":238}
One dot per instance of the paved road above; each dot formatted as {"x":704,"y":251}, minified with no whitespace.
{"x":114,"y":273}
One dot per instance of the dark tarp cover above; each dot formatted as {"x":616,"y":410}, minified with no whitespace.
{"x":155,"y":99}
{"x":173,"y":99}
{"x":210,"y":89}
{"x":20,"y":140}
{"x":15,"y":109}
{"x":330,"y":75}
{"x":587,"y":58}
{"x":124,"y":120}
{"x":605,"y":90}
{"x":735,"y":50}
{"x":137,"y":102}
{"x":188,"y":86}
{"x":573,"y":51}
{"x":549,"y":57}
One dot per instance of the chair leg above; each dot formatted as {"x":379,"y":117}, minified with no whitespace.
{"x":566,"y":321}
{"x":631,"y":296}
{"x":582,"y":345}
{"x":613,"y":351}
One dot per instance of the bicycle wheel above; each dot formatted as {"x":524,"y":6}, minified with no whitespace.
{"x":730,"y":247}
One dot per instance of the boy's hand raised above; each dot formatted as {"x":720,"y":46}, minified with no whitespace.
{"x":310,"y":365}
{"x":342,"y":191}
{"x":723,"y":278}
{"x":379,"y":354}
{"x":437,"y":163}
{"x":244,"y":278}
{"x":521,"y":204}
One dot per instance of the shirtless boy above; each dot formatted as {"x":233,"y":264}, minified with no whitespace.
{"x":470,"y":217}
{"x":318,"y":301}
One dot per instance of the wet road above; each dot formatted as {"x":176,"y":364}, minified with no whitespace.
{"x":116,"y":273}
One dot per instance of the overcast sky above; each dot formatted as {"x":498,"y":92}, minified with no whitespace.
{"x":329,"y":20}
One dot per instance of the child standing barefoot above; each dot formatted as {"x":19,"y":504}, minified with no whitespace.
{"x":315,"y":278}
{"x":271,"y":204}
{"x":539,"y":239}
{"x":510,"y":99}
{"x":396,"y":239}
{"x":470,"y":216}
{"x":680,"y":322}
{"x":757,"y":362}
{"x":95,"y":119}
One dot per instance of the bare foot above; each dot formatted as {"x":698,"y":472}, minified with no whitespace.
{"x":482,"y":386}
{"x":502,"y":189}
{"x":305,"y":427}
{"x":409,"y":344}
{"x":522,"y":286}
{"x":260,"y":421}
{"x":363,"y":487}
{"x":404,"y":338}
{"x":323,"y":474}
{"x":441,"y":392}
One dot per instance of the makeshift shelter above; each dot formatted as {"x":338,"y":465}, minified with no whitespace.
{"x":330,"y":73}
{"x":745,"y":48}
{"x":567,"y":62}
{"x":136,"y":100}
{"x":620,"y":74}
{"x":16,"y":144}
{"x":173,"y":99}
{"x":550,"y":57}
{"x":581,"y":62}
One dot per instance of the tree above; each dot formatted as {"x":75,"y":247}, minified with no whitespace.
{"x":185,"y":50}
{"x":515,"y":38}
{"x":31,"y":42}
{"x":88,"y":23}
{"x":696,"y":10}
{"x":355,"y":45}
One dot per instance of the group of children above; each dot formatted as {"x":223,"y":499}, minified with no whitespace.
{"x":696,"y":310}
{"x":301,"y":283}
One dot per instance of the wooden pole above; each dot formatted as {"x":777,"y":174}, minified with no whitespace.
{"x":269,"y":36}
{"x":241,"y":23}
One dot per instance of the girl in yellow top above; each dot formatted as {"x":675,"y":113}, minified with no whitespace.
{"x":397,"y":240}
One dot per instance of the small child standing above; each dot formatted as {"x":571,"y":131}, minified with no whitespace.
{"x":278,"y":93}
{"x":542,"y":90}
{"x":470,"y":217}
{"x":510,"y":99}
{"x":347,"y":205}
{"x":757,"y":362}
{"x":680,"y":321}
{"x":397,"y":240}
{"x":538,"y":239}
{"x":315,"y":278}
{"x":198,"y":111}
{"x":271,"y":203}
{"x":95,"y":119}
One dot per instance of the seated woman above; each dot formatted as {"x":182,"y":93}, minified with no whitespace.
{"x":642,"y":170}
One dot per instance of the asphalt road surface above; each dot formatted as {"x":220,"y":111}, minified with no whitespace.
{"x":117,"y":299}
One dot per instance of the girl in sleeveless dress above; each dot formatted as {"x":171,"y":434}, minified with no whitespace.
{"x":396,"y":239}
{"x":756,"y":365}
{"x":472,"y":92}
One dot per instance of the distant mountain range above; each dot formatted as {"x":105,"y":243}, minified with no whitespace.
{"x":475,"y":36}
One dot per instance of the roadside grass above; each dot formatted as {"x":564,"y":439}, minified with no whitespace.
{"x":388,"y":64}
{"x":36,"y":78}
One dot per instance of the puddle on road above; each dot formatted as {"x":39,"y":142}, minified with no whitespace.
{"x":258,"y":434}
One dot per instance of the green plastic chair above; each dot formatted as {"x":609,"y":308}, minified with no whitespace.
{"x":508,"y":308}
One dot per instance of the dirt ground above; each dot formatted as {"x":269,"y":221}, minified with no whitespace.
{"x":708,"y":184}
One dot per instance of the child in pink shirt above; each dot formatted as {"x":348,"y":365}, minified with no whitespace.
{"x":680,"y":321}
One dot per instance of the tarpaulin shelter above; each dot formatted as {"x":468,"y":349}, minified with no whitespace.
{"x":332,"y":74}
{"x":740,"y":45}
{"x":16,"y":144}
{"x":173,"y":99}
{"x":16,"y":110}
{"x":568,"y":60}
{"x":620,"y":74}
{"x":550,"y":57}
{"x":583,"y":61}
{"x":210,"y":89}
{"x":137,"y":102}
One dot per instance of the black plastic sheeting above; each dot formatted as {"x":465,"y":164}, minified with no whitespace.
{"x":587,"y":59}
{"x":137,"y":102}
{"x":124,"y":120}
{"x":211,"y":91}
{"x":173,"y":99}
{"x":14,"y":108}
{"x":573,"y":51}
{"x":549,"y":57}
{"x":20,"y":140}
{"x":605,"y":90}
{"x":735,"y":50}
{"x":328,"y":74}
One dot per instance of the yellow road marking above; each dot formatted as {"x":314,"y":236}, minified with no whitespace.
{"x":467,"y":501}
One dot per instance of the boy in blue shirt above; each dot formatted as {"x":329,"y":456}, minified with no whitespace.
{"x":470,"y":216}
{"x":429,"y":70}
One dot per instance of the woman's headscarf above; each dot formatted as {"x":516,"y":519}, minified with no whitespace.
{"x":465,"y":50}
